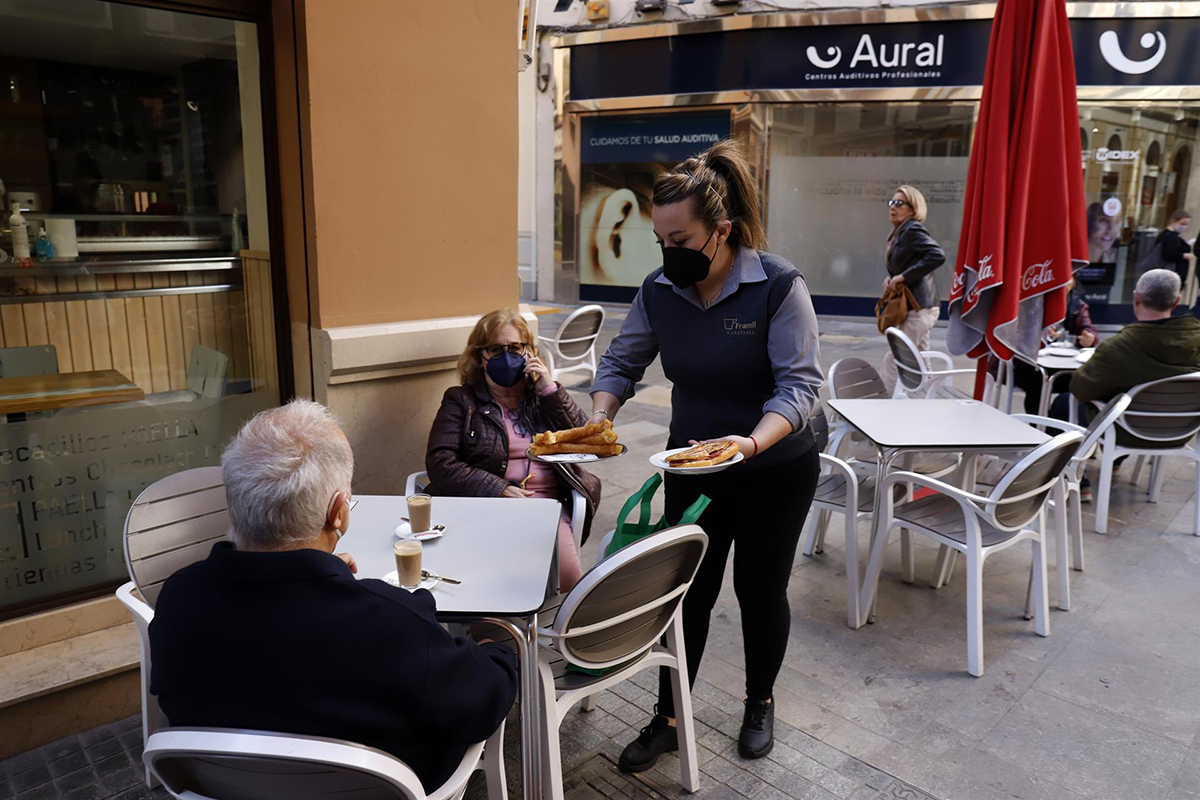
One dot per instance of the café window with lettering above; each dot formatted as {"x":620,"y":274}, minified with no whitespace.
{"x":137,"y":329}
{"x":1138,"y":169}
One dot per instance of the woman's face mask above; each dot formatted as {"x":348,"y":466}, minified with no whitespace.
{"x":684,"y":267}
{"x":506,"y":369}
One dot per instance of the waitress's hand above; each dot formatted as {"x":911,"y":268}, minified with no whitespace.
{"x":745,"y":444}
{"x":535,"y":369}
{"x":597,"y":418}
{"x":516,"y":491}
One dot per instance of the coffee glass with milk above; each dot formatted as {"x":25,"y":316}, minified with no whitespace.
{"x":418,"y":512}
{"x":408,"y":562}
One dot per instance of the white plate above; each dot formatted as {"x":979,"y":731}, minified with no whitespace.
{"x":427,"y":583}
{"x":575,"y":458}
{"x":404,"y":531}
{"x":660,"y":460}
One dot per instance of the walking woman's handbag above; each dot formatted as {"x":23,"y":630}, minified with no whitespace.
{"x":629,"y":532}
{"x":893,"y":307}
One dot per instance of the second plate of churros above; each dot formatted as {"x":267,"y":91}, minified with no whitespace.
{"x":594,"y":442}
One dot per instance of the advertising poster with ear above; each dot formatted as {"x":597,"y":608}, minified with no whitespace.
{"x":620,"y":158}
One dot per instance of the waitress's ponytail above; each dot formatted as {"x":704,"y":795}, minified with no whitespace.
{"x":721,"y":184}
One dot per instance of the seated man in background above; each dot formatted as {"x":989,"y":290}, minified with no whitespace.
{"x":1156,"y":346}
{"x":272,"y":632}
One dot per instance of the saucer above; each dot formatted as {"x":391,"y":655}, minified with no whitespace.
{"x":404,"y":531}
{"x":426,"y":583}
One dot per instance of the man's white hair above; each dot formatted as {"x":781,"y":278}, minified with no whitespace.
{"x":280,"y":473}
{"x":1158,"y":289}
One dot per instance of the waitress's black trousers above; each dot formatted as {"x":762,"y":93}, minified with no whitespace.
{"x":760,"y":514}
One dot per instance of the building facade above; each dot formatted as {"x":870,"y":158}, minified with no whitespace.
{"x":836,"y":107}
{"x":247,"y":200}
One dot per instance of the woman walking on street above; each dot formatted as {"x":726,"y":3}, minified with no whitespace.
{"x":912,"y":256}
{"x":737,"y":334}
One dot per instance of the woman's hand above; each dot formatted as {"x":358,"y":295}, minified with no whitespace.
{"x":535,"y":369}
{"x":513,"y":490}
{"x":896,"y":280}
{"x":745,"y":444}
{"x":1086,"y":339}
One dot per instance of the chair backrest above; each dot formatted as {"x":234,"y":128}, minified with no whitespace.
{"x":25,"y":362}
{"x":206,"y":371}
{"x":1165,"y":410}
{"x":1100,"y":424}
{"x":910,"y":367}
{"x":578,"y":332}
{"x":818,"y":423}
{"x":228,"y":764}
{"x":173,"y":523}
{"x":1023,"y":490}
{"x":855,"y":379}
{"x":622,"y":605}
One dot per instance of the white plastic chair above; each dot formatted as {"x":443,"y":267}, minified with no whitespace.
{"x":1166,"y":411}
{"x":573,"y":346}
{"x":229,"y":764}
{"x":419,"y":482}
{"x":174,"y":522}
{"x":855,"y":379}
{"x":840,"y":490}
{"x":916,"y":378}
{"x":1065,"y":499}
{"x":979,"y":526}
{"x":613,"y":620}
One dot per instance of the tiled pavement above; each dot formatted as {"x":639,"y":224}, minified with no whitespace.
{"x":1107,"y":707}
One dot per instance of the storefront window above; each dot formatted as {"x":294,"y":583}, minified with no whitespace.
{"x":832,"y":170}
{"x":139,"y":333}
{"x":1136,"y":174}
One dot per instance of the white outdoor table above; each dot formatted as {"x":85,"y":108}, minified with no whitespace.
{"x":502,"y":550}
{"x":969,"y":427}
{"x":1064,"y":362}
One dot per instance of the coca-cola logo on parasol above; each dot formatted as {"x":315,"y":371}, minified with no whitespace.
{"x":1110,"y":49}
{"x":1037,"y":277}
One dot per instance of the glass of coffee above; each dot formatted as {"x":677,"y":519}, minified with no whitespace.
{"x":408,"y":562}
{"x":418,"y":512}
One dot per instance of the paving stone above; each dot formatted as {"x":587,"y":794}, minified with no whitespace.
{"x":25,"y":761}
{"x":73,"y":781}
{"x":44,"y":791}
{"x":68,"y":763}
{"x":1097,"y":756}
{"x":29,"y":779}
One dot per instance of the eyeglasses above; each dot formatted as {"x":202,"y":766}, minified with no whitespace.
{"x":516,"y":349}
{"x":894,"y":203}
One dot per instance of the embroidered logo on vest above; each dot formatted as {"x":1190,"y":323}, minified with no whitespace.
{"x":735,"y":328}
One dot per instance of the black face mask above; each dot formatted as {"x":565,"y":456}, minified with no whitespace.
{"x":506,"y":369}
{"x":683,"y":266}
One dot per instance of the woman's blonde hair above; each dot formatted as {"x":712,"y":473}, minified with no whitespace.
{"x":722,"y":187}
{"x":484,"y":334}
{"x":916,"y":201}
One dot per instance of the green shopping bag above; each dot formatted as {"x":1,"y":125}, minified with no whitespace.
{"x":629,"y":532}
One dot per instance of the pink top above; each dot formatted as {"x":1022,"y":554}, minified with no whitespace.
{"x":543,"y":482}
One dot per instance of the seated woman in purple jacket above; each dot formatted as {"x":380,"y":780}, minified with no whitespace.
{"x":478,"y":441}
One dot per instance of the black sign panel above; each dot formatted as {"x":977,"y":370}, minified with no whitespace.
{"x":1108,"y":52}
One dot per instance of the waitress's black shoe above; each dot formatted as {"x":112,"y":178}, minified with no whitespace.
{"x":758,"y":729}
{"x":655,"y":739}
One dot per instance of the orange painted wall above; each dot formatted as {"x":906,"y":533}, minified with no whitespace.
{"x":412,"y":125}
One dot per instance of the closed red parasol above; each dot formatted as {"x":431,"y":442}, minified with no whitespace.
{"x":1024,"y":222}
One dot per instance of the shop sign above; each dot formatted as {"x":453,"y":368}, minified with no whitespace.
{"x":1103,"y":155}
{"x":1108,"y":52}
{"x":657,"y":138}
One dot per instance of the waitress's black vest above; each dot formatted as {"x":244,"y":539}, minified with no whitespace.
{"x":717,"y":361}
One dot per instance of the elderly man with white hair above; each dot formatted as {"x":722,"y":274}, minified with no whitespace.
{"x":1158,"y":345}
{"x":273,"y":632}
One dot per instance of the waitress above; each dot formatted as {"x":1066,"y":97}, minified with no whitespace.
{"x":738,"y":338}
